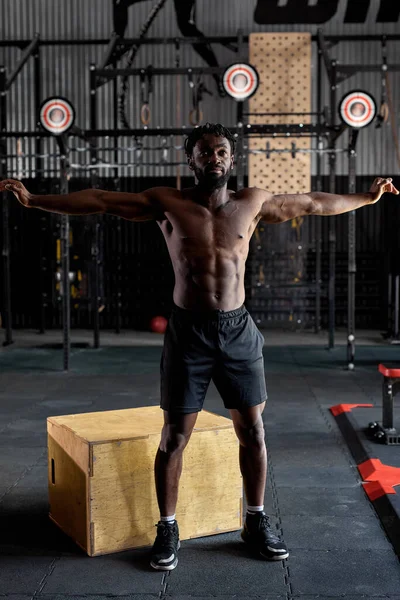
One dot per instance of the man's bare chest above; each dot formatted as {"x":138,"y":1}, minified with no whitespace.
{"x":220,"y":227}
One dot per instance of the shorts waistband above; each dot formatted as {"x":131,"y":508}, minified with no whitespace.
{"x":209,"y":315}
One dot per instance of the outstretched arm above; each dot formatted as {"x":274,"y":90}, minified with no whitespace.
{"x":143,"y":206}
{"x":283,"y":207}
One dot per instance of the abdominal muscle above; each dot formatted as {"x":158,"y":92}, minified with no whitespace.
{"x":209,"y":282}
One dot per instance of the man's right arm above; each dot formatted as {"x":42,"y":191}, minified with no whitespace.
{"x":142,"y":206}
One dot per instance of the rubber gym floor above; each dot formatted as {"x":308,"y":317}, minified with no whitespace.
{"x":315,"y":495}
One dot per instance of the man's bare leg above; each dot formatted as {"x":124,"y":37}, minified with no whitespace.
{"x":168,"y":465}
{"x":257,"y":531}
{"x":168,"y":468}
{"x":249,"y":429}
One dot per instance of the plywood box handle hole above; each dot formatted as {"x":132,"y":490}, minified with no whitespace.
{"x":53,"y":472}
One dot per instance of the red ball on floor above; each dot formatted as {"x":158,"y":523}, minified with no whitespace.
{"x":158,"y":324}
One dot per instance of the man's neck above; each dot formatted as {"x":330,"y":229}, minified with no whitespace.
{"x":212,"y":198}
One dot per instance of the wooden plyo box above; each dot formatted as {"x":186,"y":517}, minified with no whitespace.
{"x":101,"y":478}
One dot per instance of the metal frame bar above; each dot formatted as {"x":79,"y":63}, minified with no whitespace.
{"x":351,"y":266}
{"x":301,"y":130}
{"x":117,"y":284}
{"x":43,"y":268}
{"x":28,"y":52}
{"x":118,"y":290}
{"x":366,"y":68}
{"x":7,"y":312}
{"x":332,"y":70}
{"x":324,"y":53}
{"x":343,"y":71}
{"x":127,"y":42}
{"x":96,"y":224}
{"x":65,"y":268}
{"x":396,"y":307}
{"x":390,"y":388}
{"x":332,"y":220}
{"x":111,"y":73}
{"x":346,"y":71}
{"x":318,"y":225}
{"x":239,"y":147}
{"x":39,"y":165}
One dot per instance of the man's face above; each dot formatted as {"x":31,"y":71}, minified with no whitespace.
{"x":212,"y":161}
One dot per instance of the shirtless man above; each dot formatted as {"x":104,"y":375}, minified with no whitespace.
{"x":210,"y":334}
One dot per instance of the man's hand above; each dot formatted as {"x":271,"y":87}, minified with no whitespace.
{"x":381,"y":186}
{"x":17,"y":188}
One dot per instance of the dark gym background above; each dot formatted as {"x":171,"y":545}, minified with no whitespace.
{"x":134,"y":275}
{"x":136,"y":263}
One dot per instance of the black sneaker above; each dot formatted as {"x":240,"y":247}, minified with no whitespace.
{"x":258,"y":534}
{"x":164,"y":554}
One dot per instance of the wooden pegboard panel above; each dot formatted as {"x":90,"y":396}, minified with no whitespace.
{"x":283,"y":61}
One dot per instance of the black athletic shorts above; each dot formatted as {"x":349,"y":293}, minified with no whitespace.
{"x":223,"y":346}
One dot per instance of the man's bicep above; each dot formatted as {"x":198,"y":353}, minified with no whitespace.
{"x":284,"y":207}
{"x":135,"y":206}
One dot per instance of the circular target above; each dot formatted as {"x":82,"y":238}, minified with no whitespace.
{"x":240,"y":81}
{"x":357,"y":109}
{"x":57,"y":115}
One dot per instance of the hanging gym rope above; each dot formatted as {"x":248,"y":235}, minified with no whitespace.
{"x":129,"y":62}
{"x":383,"y":113}
{"x":198,"y":90}
{"x":146,"y":89}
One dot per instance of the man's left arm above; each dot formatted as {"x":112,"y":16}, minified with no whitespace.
{"x":283,"y":207}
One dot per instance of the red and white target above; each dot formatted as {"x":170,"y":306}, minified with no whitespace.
{"x":240,"y":81}
{"x":357,"y":109}
{"x":57,"y":115}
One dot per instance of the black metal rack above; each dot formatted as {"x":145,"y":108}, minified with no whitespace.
{"x":322,"y":129}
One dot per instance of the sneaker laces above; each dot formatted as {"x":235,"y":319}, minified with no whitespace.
{"x":166,"y":530}
{"x":264,"y":521}
{"x":265,"y":524}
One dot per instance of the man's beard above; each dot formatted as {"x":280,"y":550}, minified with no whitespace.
{"x":211,"y":181}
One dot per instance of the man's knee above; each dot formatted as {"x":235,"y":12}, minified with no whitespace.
{"x":251,"y":435}
{"x":172,"y":441}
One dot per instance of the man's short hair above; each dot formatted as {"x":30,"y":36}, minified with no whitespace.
{"x":209,"y":128}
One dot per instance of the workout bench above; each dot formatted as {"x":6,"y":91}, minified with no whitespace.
{"x":386,"y":433}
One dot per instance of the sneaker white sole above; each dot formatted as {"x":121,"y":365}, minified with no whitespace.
{"x":163,"y":567}
{"x":166,"y":567}
{"x":271,"y":556}
{"x":277,"y":557}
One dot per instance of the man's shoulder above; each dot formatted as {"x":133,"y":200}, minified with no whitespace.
{"x":165,"y":197}
{"x":164,"y":192}
{"x":251,"y":193}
